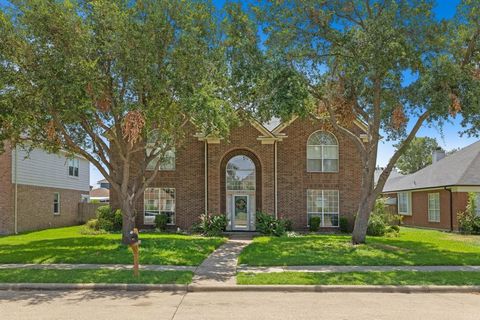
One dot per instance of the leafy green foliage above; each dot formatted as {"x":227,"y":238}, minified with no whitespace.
{"x":382,"y":221}
{"x":267,"y":224}
{"x":344,"y":225}
{"x":109,"y":219}
{"x":468,"y":221}
{"x":418,"y":155}
{"x":314,"y":224}
{"x":161,"y":221}
{"x":211,"y":225}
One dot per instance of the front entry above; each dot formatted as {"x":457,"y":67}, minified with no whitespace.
{"x":240,"y":193}
{"x":241,"y":216}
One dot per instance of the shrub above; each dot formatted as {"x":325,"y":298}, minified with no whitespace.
{"x":343,"y":224}
{"x":382,"y":221}
{"x":92,"y":224}
{"x":92,"y":227}
{"x":314,"y":224}
{"x":211,"y":225}
{"x":108,"y":219}
{"x":288,"y":225}
{"x":267,"y":224}
{"x":161,"y":221}
{"x":468,"y":221}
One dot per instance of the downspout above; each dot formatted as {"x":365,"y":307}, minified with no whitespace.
{"x":275,"y":180}
{"x":206,"y":177}
{"x":15,"y":210}
{"x":451,"y":208}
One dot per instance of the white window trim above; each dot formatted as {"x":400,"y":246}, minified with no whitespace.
{"x":322,"y":146}
{"x":58,"y":204}
{"x":73,"y":163}
{"x":437,"y":196}
{"x":173,"y":223}
{"x":477,"y":203}
{"x":409,"y":203}
{"x":322,"y":225}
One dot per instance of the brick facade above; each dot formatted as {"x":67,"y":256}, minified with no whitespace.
{"x":188,"y":178}
{"x":6,"y":193}
{"x":419,"y":210}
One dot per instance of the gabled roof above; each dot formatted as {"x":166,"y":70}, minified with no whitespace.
{"x":459,"y":169}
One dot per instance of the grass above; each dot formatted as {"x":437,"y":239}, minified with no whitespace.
{"x":361,"y":278}
{"x":93,"y":276}
{"x":67,"y":245}
{"x":411,"y":247}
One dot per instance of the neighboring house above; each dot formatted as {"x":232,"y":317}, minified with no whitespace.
{"x":294,"y":170}
{"x":40,"y":190}
{"x":102,"y":193}
{"x":432,"y":196}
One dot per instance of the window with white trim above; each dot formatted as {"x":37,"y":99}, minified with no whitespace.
{"x":434,"y":207}
{"x":404,"y":203}
{"x":167,"y":161}
{"x":322,"y":152}
{"x":73,"y":167}
{"x":477,"y":204}
{"x":159,"y":201}
{"x":56,"y":203}
{"x":323,"y":204}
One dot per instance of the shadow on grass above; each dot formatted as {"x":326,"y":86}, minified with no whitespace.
{"x":337,"y":250}
{"x":97,"y":249}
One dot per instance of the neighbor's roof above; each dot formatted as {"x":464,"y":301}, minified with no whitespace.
{"x":100,"y":193}
{"x":459,"y":169}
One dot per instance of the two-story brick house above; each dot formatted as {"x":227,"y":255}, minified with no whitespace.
{"x":40,"y":190}
{"x":293,"y":170}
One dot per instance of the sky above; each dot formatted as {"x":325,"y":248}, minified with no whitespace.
{"x":448,"y":137}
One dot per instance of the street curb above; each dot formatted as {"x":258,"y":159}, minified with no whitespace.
{"x":239,"y":288}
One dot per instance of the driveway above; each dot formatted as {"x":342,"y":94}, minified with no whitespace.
{"x":234,"y":305}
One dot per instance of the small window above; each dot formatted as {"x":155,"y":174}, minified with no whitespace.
{"x":73,"y":167}
{"x":56,"y":203}
{"x":434,"y":207}
{"x":323,"y":204}
{"x":159,"y":201}
{"x":322,"y":152}
{"x":477,"y":204}
{"x":404,"y":203}
{"x":167,"y":161}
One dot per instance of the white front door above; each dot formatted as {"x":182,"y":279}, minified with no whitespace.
{"x":240,"y":212}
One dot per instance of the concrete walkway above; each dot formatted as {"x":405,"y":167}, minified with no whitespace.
{"x":68,"y":266}
{"x":220,"y":268}
{"x":244,"y":268}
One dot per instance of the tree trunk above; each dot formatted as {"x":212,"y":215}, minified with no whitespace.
{"x":128,"y":215}
{"x":367,"y":203}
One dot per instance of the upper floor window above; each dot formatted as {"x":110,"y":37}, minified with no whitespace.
{"x":73,"y":167}
{"x":322,"y":152}
{"x":167,"y":161}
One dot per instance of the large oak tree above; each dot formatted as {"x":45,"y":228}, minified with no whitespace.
{"x":106,"y":78}
{"x":388,"y":63}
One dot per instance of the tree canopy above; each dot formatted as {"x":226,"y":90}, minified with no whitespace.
{"x":418,"y":155}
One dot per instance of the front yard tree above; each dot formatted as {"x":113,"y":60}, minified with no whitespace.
{"x":418,"y":155}
{"x":104,"y":78}
{"x":389,"y":63}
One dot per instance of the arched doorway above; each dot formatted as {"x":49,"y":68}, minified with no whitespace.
{"x":241,"y":187}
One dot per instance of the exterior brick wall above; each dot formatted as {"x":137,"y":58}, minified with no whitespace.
{"x":6,"y":193}
{"x":419,"y":217}
{"x":294,"y":180}
{"x":35,"y":207}
{"x":188,"y":178}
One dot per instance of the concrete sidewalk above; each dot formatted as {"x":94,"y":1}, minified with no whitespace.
{"x":325,"y":269}
{"x":220,"y":268}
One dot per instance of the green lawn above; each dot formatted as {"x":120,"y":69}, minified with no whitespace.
{"x":67,"y":245}
{"x":93,"y":276}
{"x":361,"y":278}
{"x":412,"y":247}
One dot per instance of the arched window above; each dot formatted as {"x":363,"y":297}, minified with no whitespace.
{"x":240,"y":174}
{"x":322,"y":152}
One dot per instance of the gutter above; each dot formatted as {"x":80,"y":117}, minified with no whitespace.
{"x":451,"y":208}
{"x":206,"y":177}
{"x":15,"y":210}
{"x":430,"y":188}
{"x":276,"y":181}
